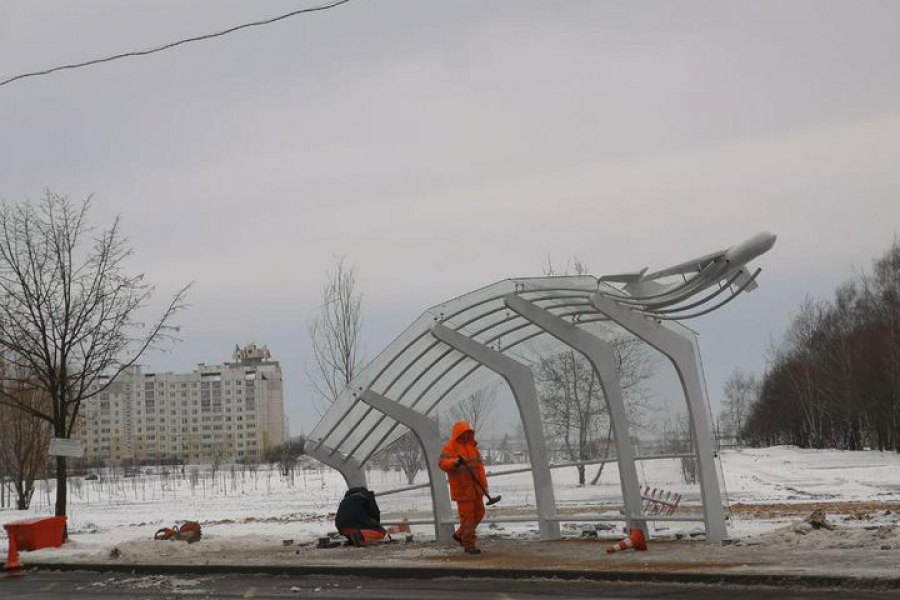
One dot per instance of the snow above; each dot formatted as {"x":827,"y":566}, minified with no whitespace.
{"x":771,"y":490}
{"x":883,"y":536}
{"x":786,"y":473}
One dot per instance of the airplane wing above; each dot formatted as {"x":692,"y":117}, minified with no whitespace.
{"x":632,"y":277}
{"x":687,"y":267}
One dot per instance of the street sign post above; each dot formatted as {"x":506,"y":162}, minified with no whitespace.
{"x":64,"y":447}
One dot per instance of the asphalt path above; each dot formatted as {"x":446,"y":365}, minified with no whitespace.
{"x":83,"y":585}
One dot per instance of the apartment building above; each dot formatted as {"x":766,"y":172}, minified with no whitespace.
{"x":228,"y":412}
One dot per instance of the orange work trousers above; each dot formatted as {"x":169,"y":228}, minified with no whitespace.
{"x":471,"y":512}
{"x":368,"y":535}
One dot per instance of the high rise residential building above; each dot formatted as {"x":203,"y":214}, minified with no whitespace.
{"x":216,"y":413}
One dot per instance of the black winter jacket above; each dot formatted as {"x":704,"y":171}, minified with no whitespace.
{"x":358,"y":510}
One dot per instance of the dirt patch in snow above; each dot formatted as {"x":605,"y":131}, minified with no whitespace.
{"x":789,"y":509}
{"x":882,"y":534}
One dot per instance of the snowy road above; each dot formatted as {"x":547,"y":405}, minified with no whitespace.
{"x":87,"y":585}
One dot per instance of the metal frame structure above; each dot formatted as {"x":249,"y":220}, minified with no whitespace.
{"x":349,"y":468}
{"x":428,"y":435}
{"x":521,"y":383}
{"x":458,"y":346}
{"x":602,"y":358}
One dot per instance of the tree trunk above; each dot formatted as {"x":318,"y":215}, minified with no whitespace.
{"x":599,"y":473}
{"x":22,"y":498}
{"x":605,"y":454}
{"x":61,"y":494}
{"x":580,"y":474}
{"x":24,"y":493}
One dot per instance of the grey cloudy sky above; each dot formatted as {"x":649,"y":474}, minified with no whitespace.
{"x":444,"y":146}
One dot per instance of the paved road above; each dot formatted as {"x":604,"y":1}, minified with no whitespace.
{"x":81,"y":585}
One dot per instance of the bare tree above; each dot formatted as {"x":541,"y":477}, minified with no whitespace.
{"x":475,"y":409}
{"x":69,"y":313}
{"x":678,"y":438}
{"x":24,"y":439}
{"x":834,"y":379}
{"x":407,"y":451}
{"x":335,"y":335}
{"x":215,"y":461}
{"x":573,"y":266}
{"x":286,"y":455}
{"x":573,"y":404}
{"x":741,"y":393}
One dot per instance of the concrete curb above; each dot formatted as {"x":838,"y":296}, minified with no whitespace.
{"x":742,"y":579}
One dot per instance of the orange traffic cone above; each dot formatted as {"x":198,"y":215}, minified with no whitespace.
{"x":403,"y":527}
{"x":634,"y":541}
{"x":12,"y":566}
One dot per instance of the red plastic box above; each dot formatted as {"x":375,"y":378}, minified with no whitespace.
{"x":34,"y":534}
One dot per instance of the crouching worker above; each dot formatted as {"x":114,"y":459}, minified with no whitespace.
{"x":461,"y":461}
{"x":358,"y":517}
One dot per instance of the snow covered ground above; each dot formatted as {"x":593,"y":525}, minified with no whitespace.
{"x":243,"y":509}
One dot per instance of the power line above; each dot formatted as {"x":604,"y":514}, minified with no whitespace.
{"x":198,"y":38}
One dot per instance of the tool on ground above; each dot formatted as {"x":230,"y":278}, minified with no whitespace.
{"x":190,"y":532}
{"x":327,"y":542}
{"x":491,"y":499}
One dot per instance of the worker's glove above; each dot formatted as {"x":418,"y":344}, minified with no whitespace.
{"x":460,"y":461}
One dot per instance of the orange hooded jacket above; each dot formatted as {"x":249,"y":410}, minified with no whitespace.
{"x":462,"y":487}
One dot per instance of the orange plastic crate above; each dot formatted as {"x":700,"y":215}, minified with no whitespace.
{"x":34,"y":534}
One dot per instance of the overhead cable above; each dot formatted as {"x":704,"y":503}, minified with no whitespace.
{"x":198,"y":38}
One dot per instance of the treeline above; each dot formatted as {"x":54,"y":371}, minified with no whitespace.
{"x":834,"y":382}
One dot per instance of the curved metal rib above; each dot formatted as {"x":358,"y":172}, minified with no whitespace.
{"x":682,"y":293}
{"x":424,"y":372}
{"x":582,"y":300}
{"x":703,"y":300}
{"x":474,"y":368}
{"x":707,"y":310}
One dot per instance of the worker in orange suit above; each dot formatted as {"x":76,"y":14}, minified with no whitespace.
{"x":461,"y":461}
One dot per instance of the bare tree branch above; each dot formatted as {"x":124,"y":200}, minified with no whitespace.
{"x":475,"y":409}
{"x":573,"y":405}
{"x":69,"y":311}
{"x":407,"y":451}
{"x":335,"y":335}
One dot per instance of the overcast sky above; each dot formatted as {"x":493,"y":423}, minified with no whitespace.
{"x":443,"y":146}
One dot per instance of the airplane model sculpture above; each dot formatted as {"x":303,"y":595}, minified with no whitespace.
{"x":727,"y":269}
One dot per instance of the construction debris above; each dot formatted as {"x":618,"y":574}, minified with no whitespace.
{"x":818,"y":520}
{"x":190,"y":532}
{"x":659,"y":501}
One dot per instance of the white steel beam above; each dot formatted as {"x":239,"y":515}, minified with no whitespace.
{"x":602,"y":358}
{"x":680,"y":350}
{"x":426,"y":431}
{"x":521,"y":382}
{"x":352,"y":471}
